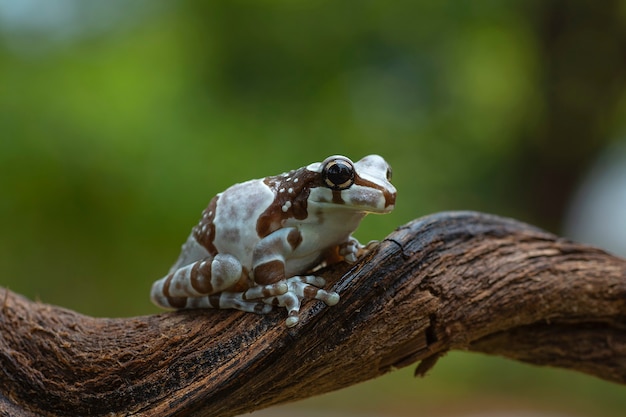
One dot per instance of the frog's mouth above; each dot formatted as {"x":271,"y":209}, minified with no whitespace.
{"x":369,"y":199}
{"x":364,"y":198}
{"x":371,"y":191}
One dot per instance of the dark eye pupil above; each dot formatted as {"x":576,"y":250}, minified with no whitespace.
{"x":339,"y":175}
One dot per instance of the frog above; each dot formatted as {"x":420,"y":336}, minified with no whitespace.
{"x":259,"y":244}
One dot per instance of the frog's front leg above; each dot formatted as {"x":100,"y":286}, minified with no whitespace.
{"x":268,"y":260}
{"x":351,"y":250}
{"x":301,"y":288}
{"x":269,"y":267}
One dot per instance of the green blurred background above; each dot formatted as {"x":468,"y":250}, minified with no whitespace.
{"x":119,"y":120}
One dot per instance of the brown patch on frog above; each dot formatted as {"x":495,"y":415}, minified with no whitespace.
{"x":214,"y":300}
{"x":390,"y":198}
{"x":269,"y":272}
{"x":294,"y":238}
{"x":204,"y":232}
{"x":166,"y":285}
{"x":273,"y":218}
{"x":337,"y":198}
{"x":174,"y":302}
{"x":275,"y":301}
{"x":200,"y":278}
{"x":177,"y":302}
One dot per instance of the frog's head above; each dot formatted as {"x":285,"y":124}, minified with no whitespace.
{"x":362,"y":186}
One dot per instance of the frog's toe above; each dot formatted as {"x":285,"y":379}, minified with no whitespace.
{"x":302,"y":288}
{"x":292,"y":321}
{"x":308,"y":287}
{"x":330,"y":298}
{"x":299,"y":280}
{"x":350,"y":258}
{"x":265,"y":291}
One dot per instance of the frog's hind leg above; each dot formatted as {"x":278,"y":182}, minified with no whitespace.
{"x":301,"y":288}
{"x":207,"y":276}
{"x":227,"y":300}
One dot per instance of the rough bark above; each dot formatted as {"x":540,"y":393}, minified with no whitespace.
{"x":458,"y":280}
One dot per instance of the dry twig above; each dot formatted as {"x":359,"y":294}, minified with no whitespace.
{"x":447,"y":281}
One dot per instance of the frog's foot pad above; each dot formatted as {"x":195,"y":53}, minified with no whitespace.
{"x":302,"y":288}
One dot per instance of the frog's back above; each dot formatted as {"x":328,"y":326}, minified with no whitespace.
{"x":228,"y":224}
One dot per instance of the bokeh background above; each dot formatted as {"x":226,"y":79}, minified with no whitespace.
{"x":119,"y":120}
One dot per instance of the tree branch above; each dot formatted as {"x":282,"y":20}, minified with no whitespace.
{"x":456,"y":280}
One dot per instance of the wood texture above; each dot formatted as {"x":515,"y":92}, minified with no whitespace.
{"x":456,"y":280}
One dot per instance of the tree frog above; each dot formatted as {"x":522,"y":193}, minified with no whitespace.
{"x":259,"y":242}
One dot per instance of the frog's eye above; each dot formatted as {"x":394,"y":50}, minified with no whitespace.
{"x":388,"y":175}
{"x":338,"y":174}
